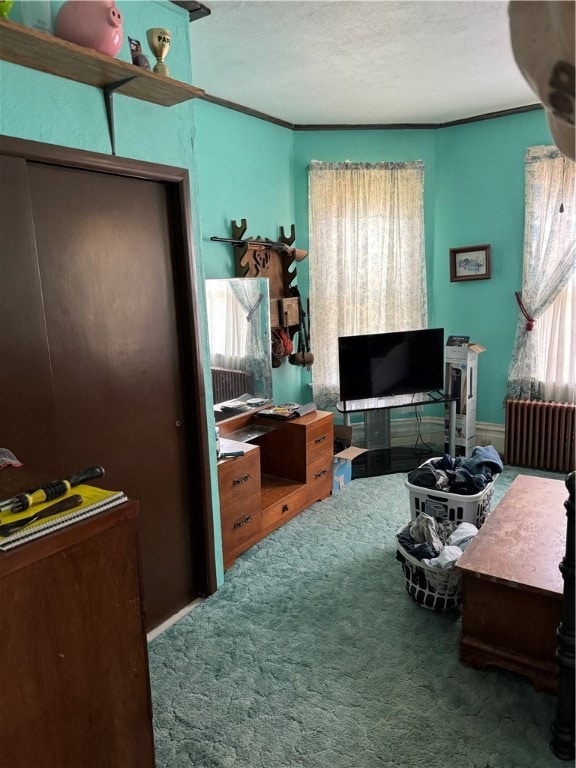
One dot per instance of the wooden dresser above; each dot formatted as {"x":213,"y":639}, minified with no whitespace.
{"x":281,"y":473}
{"x":74,"y":663}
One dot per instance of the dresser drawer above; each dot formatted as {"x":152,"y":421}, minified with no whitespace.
{"x":292,"y":445}
{"x":238,"y":479}
{"x":319,"y":478}
{"x":320,"y":439}
{"x":240,"y":524}
{"x":283,"y":510}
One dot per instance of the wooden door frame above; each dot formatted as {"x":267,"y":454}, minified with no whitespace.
{"x":185,"y":296}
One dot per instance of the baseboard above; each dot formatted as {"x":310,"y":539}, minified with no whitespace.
{"x":153,"y":633}
{"x":491,"y":434}
{"x":402,"y":431}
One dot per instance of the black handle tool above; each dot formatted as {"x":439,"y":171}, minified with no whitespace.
{"x":51,"y":491}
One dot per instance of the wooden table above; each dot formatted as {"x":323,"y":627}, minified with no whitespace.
{"x":512,"y":586}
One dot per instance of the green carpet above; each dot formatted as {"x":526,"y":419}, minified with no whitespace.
{"x":312,"y":655}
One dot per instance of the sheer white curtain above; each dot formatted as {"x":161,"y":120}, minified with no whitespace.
{"x":556,"y":362}
{"x":543,"y":363}
{"x":367,"y":261}
{"x":227,"y":325}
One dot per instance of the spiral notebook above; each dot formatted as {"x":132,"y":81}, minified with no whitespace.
{"x":94,"y":500}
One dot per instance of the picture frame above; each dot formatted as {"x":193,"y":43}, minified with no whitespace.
{"x":472,"y":262}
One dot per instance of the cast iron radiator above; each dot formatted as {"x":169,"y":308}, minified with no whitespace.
{"x":228,"y":383}
{"x":539,"y":435}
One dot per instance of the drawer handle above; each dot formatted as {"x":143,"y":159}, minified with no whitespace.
{"x":285,"y":508}
{"x":240,"y":480}
{"x":320,"y":474}
{"x":321,"y":439}
{"x":242,"y":522}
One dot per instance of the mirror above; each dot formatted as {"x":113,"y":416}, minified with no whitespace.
{"x":238,"y":310}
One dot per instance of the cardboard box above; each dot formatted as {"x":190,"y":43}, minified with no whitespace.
{"x":342,"y":464}
{"x":461,"y":381}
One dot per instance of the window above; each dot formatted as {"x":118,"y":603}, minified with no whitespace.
{"x":543,"y":363}
{"x":556,"y":358}
{"x":368,"y":270}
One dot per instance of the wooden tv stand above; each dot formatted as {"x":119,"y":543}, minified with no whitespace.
{"x":281,"y":473}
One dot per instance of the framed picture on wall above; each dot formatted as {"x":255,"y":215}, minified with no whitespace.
{"x":470,"y":263}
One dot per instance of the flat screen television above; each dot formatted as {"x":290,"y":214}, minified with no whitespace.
{"x":378,"y":365}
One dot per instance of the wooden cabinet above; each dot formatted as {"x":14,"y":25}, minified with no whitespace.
{"x":302,"y":451}
{"x":281,"y":473}
{"x":512,"y":586}
{"x":74,"y":665}
{"x":239,"y":487}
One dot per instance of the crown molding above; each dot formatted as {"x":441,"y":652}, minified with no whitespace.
{"x":363,"y":127}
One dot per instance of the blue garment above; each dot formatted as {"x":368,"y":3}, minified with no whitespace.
{"x":425,"y":476}
{"x":447,"y":463}
{"x":469,"y":476}
{"x":484,"y":460}
{"x":465,"y":482}
{"x":419,"y":551}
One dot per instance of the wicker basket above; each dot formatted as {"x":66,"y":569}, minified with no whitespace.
{"x":439,"y":589}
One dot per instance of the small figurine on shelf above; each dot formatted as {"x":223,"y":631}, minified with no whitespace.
{"x":95,"y":24}
{"x":138,"y":58}
{"x":37,"y":14}
{"x":159,"y":42}
{"x":5,"y":8}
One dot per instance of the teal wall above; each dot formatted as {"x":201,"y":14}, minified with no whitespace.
{"x":242,"y":167}
{"x":480,"y":199}
{"x":244,"y":171}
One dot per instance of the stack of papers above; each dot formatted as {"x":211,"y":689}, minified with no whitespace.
{"x":243,"y":403}
{"x":287,"y":411}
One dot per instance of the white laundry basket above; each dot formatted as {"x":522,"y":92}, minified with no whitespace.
{"x":456,"y":507}
{"x":439,"y":589}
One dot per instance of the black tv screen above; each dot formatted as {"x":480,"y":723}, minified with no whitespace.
{"x":385,"y":364}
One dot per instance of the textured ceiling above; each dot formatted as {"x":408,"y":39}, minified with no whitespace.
{"x":359,"y":63}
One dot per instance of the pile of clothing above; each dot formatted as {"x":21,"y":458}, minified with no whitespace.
{"x":466,"y":476}
{"x":435,"y":541}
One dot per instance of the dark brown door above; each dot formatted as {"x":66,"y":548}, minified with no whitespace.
{"x":106,"y":325}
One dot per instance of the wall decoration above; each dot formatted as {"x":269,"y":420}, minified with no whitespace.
{"x":470,"y":263}
{"x":274,"y":260}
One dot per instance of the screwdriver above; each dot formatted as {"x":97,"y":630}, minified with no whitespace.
{"x":60,"y":506}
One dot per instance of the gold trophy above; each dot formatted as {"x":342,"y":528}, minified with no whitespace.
{"x":159,"y":42}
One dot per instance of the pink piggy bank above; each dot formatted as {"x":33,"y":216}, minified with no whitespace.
{"x":95,"y":24}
